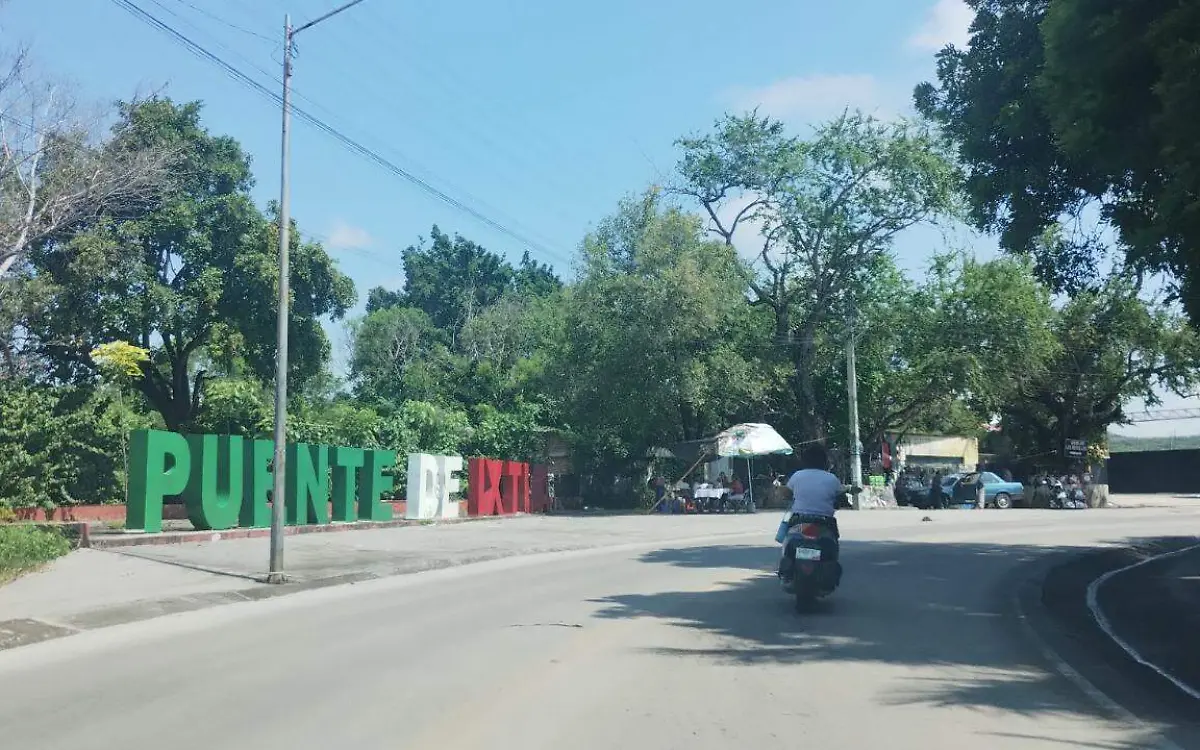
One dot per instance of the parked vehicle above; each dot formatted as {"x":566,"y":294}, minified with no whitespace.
{"x":920,"y":498}
{"x":910,"y":490}
{"x":997,"y":492}
{"x":810,"y":569}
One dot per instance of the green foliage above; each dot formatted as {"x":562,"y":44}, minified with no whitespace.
{"x":452,"y":279}
{"x":423,"y":427}
{"x":649,"y":355}
{"x":399,"y":354}
{"x":1061,"y":104}
{"x":62,"y":446}
{"x":1129,"y":444}
{"x":194,"y":268}
{"x":1111,"y":347}
{"x":511,"y":435}
{"x":828,"y":208}
{"x":24,"y":547}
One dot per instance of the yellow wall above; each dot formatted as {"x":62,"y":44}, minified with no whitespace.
{"x":964,"y":450}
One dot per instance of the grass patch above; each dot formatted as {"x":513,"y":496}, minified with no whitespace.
{"x":25,"y":547}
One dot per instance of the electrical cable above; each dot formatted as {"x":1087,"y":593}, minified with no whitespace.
{"x":346,"y":141}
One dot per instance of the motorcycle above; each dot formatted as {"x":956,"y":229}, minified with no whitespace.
{"x":1058,"y":494}
{"x":810,"y":569}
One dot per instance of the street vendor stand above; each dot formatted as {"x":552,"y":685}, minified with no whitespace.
{"x":748,"y":441}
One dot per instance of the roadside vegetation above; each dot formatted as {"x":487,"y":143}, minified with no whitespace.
{"x":26,"y":547}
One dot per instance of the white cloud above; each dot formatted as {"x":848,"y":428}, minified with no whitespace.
{"x":345,"y":236}
{"x":813,"y":97}
{"x":947,"y":22}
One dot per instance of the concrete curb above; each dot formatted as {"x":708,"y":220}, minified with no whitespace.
{"x":1056,"y":661}
{"x":130,"y":539}
{"x":1093,"y":604}
{"x":1043,"y":629}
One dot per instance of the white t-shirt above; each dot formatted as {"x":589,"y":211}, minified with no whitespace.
{"x":814,"y":492}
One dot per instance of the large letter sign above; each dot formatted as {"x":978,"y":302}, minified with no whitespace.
{"x":497,"y":488}
{"x":214,"y":493}
{"x":225,"y":481}
{"x":431,"y":481}
{"x":159,"y":466}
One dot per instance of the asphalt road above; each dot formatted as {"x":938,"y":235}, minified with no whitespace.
{"x":684,"y":645}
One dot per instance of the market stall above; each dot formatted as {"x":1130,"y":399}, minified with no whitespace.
{"x":743,"y":441}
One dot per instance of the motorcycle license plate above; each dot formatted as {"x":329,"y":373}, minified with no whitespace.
{"x":807,"y":553}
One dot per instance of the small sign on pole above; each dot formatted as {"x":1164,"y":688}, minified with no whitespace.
{"x":1076,"y":448}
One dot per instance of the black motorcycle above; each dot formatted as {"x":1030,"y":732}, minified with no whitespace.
{"x":810,"y":569}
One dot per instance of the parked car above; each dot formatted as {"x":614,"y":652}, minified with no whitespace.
{"x":917,"y":493}
{"x":997,"y":493}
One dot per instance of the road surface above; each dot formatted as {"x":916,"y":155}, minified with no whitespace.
{"x":687,"y":644}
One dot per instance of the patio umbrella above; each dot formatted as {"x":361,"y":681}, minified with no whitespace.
{"x":749,"y":440}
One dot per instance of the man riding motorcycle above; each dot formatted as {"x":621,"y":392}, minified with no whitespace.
{"x":815,"y":496}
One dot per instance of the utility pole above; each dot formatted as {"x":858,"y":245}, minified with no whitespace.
{"x":852,"y":396}
{"x":279,"y":482}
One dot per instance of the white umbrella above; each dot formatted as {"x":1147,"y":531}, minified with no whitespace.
{"x":749,"y":440}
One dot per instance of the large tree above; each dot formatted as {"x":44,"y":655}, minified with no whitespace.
{"x":1070,"y":109}
{"x":1111,"y":347}
{"x":655,"y":349}
{"x":452,"y":280}
{"x":56,"y":169}
{"x":828,"y":208}
{"x":944,"y":354}
{"x":194,"y":269}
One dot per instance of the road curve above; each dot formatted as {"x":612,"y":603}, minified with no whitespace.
{"x":689,"y":645}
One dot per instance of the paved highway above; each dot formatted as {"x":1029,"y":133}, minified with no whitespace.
{"x":684,"y":644}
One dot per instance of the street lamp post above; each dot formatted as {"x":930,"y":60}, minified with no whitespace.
{"x":278,"y":484}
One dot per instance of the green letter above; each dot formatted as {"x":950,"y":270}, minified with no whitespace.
{"x":256,"y":484}
{"x":307,"y":475}
{"x":346,"y":463}
{"x":214,"y":492}
{"x":159,"y":465}
{"x":375,"y":484}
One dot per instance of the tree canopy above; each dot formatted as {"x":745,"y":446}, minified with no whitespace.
{"x":828,"y":210}
{"x":1062,"y":110}
{"x":190,"y":277}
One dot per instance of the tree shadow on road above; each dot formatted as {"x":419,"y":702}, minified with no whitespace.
{"x":922,"y":605}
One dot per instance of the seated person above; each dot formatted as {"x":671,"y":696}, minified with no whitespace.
{"x":735,"y":487}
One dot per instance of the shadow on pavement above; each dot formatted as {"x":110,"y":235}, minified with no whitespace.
{"x":923,"y":605}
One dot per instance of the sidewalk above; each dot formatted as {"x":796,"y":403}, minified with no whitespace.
{"x":93,"y":588}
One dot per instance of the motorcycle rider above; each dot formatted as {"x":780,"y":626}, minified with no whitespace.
{"x":815,"y":492}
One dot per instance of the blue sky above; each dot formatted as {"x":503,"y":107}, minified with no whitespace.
{"x":539,"y":114}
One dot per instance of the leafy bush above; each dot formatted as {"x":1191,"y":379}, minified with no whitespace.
{"x":62,"y":446}
{"x":24,"y":547}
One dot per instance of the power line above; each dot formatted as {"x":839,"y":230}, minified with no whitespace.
{"x":224,"y":22}
{"x":346,"y":141}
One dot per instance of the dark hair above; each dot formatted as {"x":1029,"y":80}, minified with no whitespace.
{"x":813,"y":456}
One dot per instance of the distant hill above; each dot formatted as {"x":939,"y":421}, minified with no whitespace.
{"x":1125,"y":444}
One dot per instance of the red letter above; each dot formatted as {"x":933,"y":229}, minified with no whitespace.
{"x":483,"y":487}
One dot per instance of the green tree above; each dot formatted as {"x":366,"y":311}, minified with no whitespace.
{"x":400,"y":355}
{"x":62,"y":445}
{"x":944,"y":355}
{"x":828,"y":207}
{"x":651,"y":355}
{"x":1112,"y":347}
{"x":192,"y":269}
{"x":452,"y":280}
{"x":1058,"y":106}
{"x":508,"y":349}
